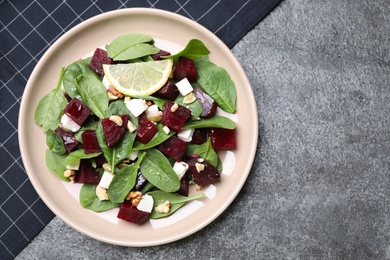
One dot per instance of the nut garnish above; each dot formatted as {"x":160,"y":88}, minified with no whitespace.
{"x":134,"y":197}
{"x":164,"y":207}
{"x":116,"y":119}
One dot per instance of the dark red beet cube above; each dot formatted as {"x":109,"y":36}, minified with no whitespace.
{"x":185,"y":68}
{"x":112,"y":131}
{"x":200,"y":135}
{"x":158,"y":55}
{"x":90,"y":142}
{"x":131,"y":214}
{"x":77,"y":111}
{"x":209,"y":174}
{"x":70,"y":142}
{"x":146,"y":130}
{"x":209,"y":106}
{"x":184,"y":186}
{"x":87,"y":173}
{"x":173,"y":147}
{"x":100,"y":160}
{"x":223,"y":139}
{"x":176,"y":119}
{"x":168,"y":91}
{"x":99,"y":58}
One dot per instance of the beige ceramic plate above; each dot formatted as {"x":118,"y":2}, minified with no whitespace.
{"x":171,"y":32}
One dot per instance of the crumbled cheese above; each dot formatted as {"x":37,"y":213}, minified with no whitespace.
{"x":184,"y":86}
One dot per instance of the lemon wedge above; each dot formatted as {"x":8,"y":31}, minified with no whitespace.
{"x":139,"y":78}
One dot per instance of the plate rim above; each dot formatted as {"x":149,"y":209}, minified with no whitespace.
{"x":69,"y":34}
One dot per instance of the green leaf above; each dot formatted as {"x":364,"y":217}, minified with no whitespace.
{"x":93,"y":93}
{"x":195,"y":50}
{"x":160,"y":197}
{"x":131,"y":46}
{"x":216,"y":82}
{"x":123,"y":181}
{"x":74,"y":70}
{"x":51,"y":107}
{"x":89,"y":199}
{"x":54,"y":142}
{"x":215,"y":121}
{"x":117,"y":107}
{"x":55,"y":163}
{"x":159,"y":172}
{"x":207,"y":152}
{"x":157,"y":139}
{"x":75,"y":157}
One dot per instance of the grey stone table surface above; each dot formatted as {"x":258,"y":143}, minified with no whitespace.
{"x":319,"y":187}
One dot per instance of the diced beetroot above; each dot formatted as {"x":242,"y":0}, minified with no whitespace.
{"x":168,"y":91}
{"x":100,"y":160}
{"x":173,"y":147}
{"x":90,"y":142}
{"x":209,"y":106}
{"x":141,"y":181}
{"x":223,"y":139}
{"x":99,"y":58}
{"x":158,"y":55}
{"x":185,"y":68}
{"x":146,"y":130}
{"x":209,"y":174}
{"x":131,"y":214}
{"x":175,"y":120}
{"x":67,"y":97}
{"x":200,"y":135}
{"x":86,"y":173}
{"x":70,"y":142}
{"x":77,"y":111}
{"x":112,"y":131}
{"x":184,"y":186}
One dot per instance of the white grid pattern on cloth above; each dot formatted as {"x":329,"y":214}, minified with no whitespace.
{"x":23,"y":40}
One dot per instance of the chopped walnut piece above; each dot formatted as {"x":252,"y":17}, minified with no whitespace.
{"x":164,"y":207}
{"x":134,"y":197}
{"x":199,"y":167}
{"x":114,"y":93}
{"x":174,"y":107}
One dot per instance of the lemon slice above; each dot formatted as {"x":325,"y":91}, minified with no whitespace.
{"x":139,"y":78}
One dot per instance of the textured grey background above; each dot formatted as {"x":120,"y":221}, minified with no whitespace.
{"x":319,"y":187}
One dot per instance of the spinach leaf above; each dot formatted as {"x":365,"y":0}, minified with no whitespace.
{"x":120,"y":150}
{"x":157,"y":139}
{"x":75,"y":157}
{"x":160,"y":197}
{"x":207,"y":152}
{"x":123,"y":181}
{"x":215,"y":121}
{"x":117,"y":107}
{"x":55,"y":163}
{"x":54,"y":142}
{"x":195,"y":50}
{"x":131,"y":46}
{"x":216,"y":82}
{"x":89,"y":199}
{"x":93,"y":93}
{"x":51,"y":107}
{"x":74,"y":70}
{"x":159,"y":172}
{"x":195,"y":107}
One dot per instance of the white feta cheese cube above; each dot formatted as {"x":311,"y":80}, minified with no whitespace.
{"x":186,"y":134}
{"x":180,"y":168}
{"x":184,"y":87}
{"x":136,"y":106}
{"x":106,"y":83}
{"x":106,"y":179}
{"x":69,"y":124}
{"x":146,"y":203}
{"x":153,"y":113}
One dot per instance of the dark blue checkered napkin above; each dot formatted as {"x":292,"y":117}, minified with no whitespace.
{"x":27,"y":29}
